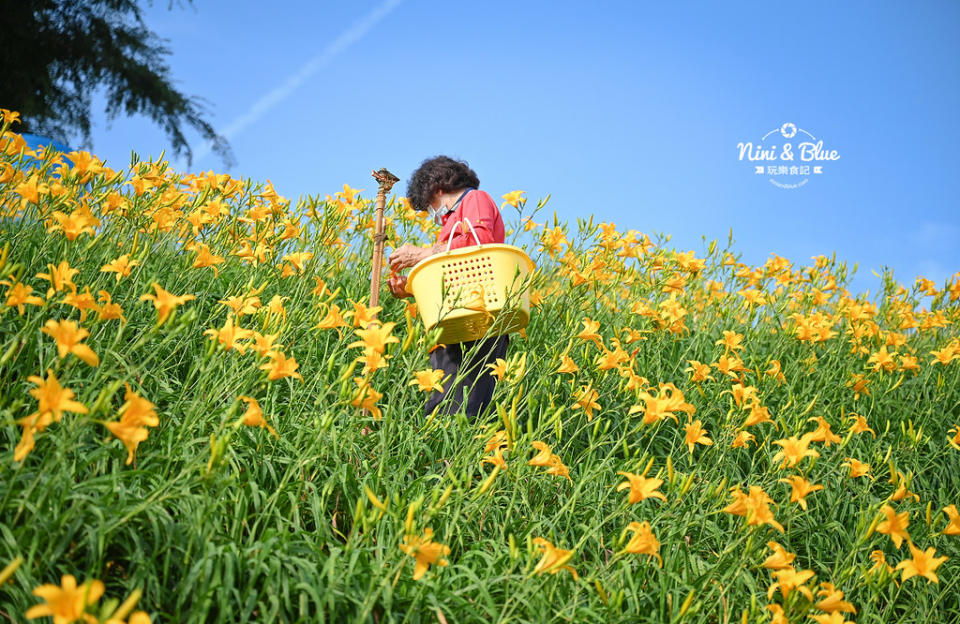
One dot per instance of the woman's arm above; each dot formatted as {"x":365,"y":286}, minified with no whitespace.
{"x":408,"y":255}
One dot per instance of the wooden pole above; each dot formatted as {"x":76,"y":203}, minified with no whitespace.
{"x":386,"y":181}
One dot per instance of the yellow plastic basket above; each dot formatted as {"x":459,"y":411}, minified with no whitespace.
{"x":474,"y":291}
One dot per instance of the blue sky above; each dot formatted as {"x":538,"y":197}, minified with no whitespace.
{"x":629,"y":111}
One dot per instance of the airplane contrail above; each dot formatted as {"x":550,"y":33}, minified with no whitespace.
{"x":295,"y":81}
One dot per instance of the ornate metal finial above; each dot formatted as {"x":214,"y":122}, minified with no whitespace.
{"x":385,"y":179}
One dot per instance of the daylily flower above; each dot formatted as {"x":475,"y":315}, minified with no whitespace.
{"x":923,"y":563}
{"x":800,"y":488}
{"x":60,"y":277}
{"x":567,"y":365}
{"x":280,"y":366}
{"x":165,"y":302}
{"x":52,"y":401}
{"x":366,"y":398}
{"x":554,"y":559}
{"x":363,"y":316}
{"x":67,"y":602}
{"x":754,"y":506}
{"x":586,"y":400}
{"x":823,"y":433}
{"x":333,"y":319}
{"x":108,"y":310}
{"x":589,"y":332}
{"x":860,"y":425}
{"x":83,"y":301}
{"x":120,"y":267}
{"x":18,"y":295}
{"x":780,"y":559}
{"x":695,"y":434}
{"x":513,"y":198}
{"x":206,"y":258}
{"x":831,"y":600}
{"x":788,"y":580}
{"x":428,"y":380}
{"x":794,"y":449}
{"x":229,"y":335}
{"x":425,"y":552}
{"x":640,"y":487}
{"x":643,"y":542}
{"x":68,"y":337}
{"x":857,"y":468}
{"x":253,"y":416}
{"x":953,"y":526}
{"x":699,"y":372}
{"x":742,"y":439}
{"x":375,"y":338}
{"x":895,"y":525}
{"x":136,"y":414}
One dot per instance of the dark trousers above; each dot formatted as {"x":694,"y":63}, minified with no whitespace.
{"x":466,"y":365}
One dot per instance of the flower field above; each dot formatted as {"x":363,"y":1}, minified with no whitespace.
{"x":202,"y":421}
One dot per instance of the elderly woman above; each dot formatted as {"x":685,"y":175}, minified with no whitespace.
{"x":447,"y":189}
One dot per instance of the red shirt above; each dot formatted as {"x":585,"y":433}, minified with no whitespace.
{"x":482,"y":212}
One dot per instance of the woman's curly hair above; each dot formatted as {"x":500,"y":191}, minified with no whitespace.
{"x":440,"y":173}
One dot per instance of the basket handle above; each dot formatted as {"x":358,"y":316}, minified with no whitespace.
{"x":454,"y":229}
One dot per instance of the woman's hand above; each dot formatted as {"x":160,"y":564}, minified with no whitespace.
{"x":406,"y":256}
{"x":398,"y":286}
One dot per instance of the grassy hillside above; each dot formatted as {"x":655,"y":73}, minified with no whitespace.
{"x":192,"y":415}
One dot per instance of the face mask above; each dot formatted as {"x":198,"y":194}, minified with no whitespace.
{"x":437,"y":214}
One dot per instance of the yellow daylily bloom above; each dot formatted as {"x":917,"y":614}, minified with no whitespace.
{"x":428,"y":380}
{"x":895,"y":525}
{"x":253,"y":416}
{"x":425,"y":552}
{"x":165,"y":302}
{"x":640,"y":487}
{"x":68,"y":601}
{"x":643,"y":541}
{"x":68,"y":337}
{"x":923,"y":563}
{"x":554,"y":559}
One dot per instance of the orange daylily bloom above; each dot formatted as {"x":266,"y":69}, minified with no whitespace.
{"x":375,"y":338}
{"x":165,"y":302}
{"x":780,"y":559}
{"x":428,"y":380}
{"x":253,"y":416}
{"x":280,"y":366}
{"x":366,"y":398}
{"x":586,"y":400}
{"x":695,"y":434}
{"x":857,"y":468}
{"x":68,"y":601}
{"x":424,"y":551}
{"x":120,"y":267}
{"x":60,"y":277}
{"x":640,"y":487}
{"x":229,"y":335}
{"x":333,"y":319}
{"x":136,"y":414}
{"x":643,"y":541}
{"x":895,"y":525}
{"x":794,"y":449}
{"x":923,"y":563}
{"x":513,"y":198}
{"x":68,"y":337}
{"x":554,"y":559}
{"x":800,"y":488}
{"x":953,"y":525}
